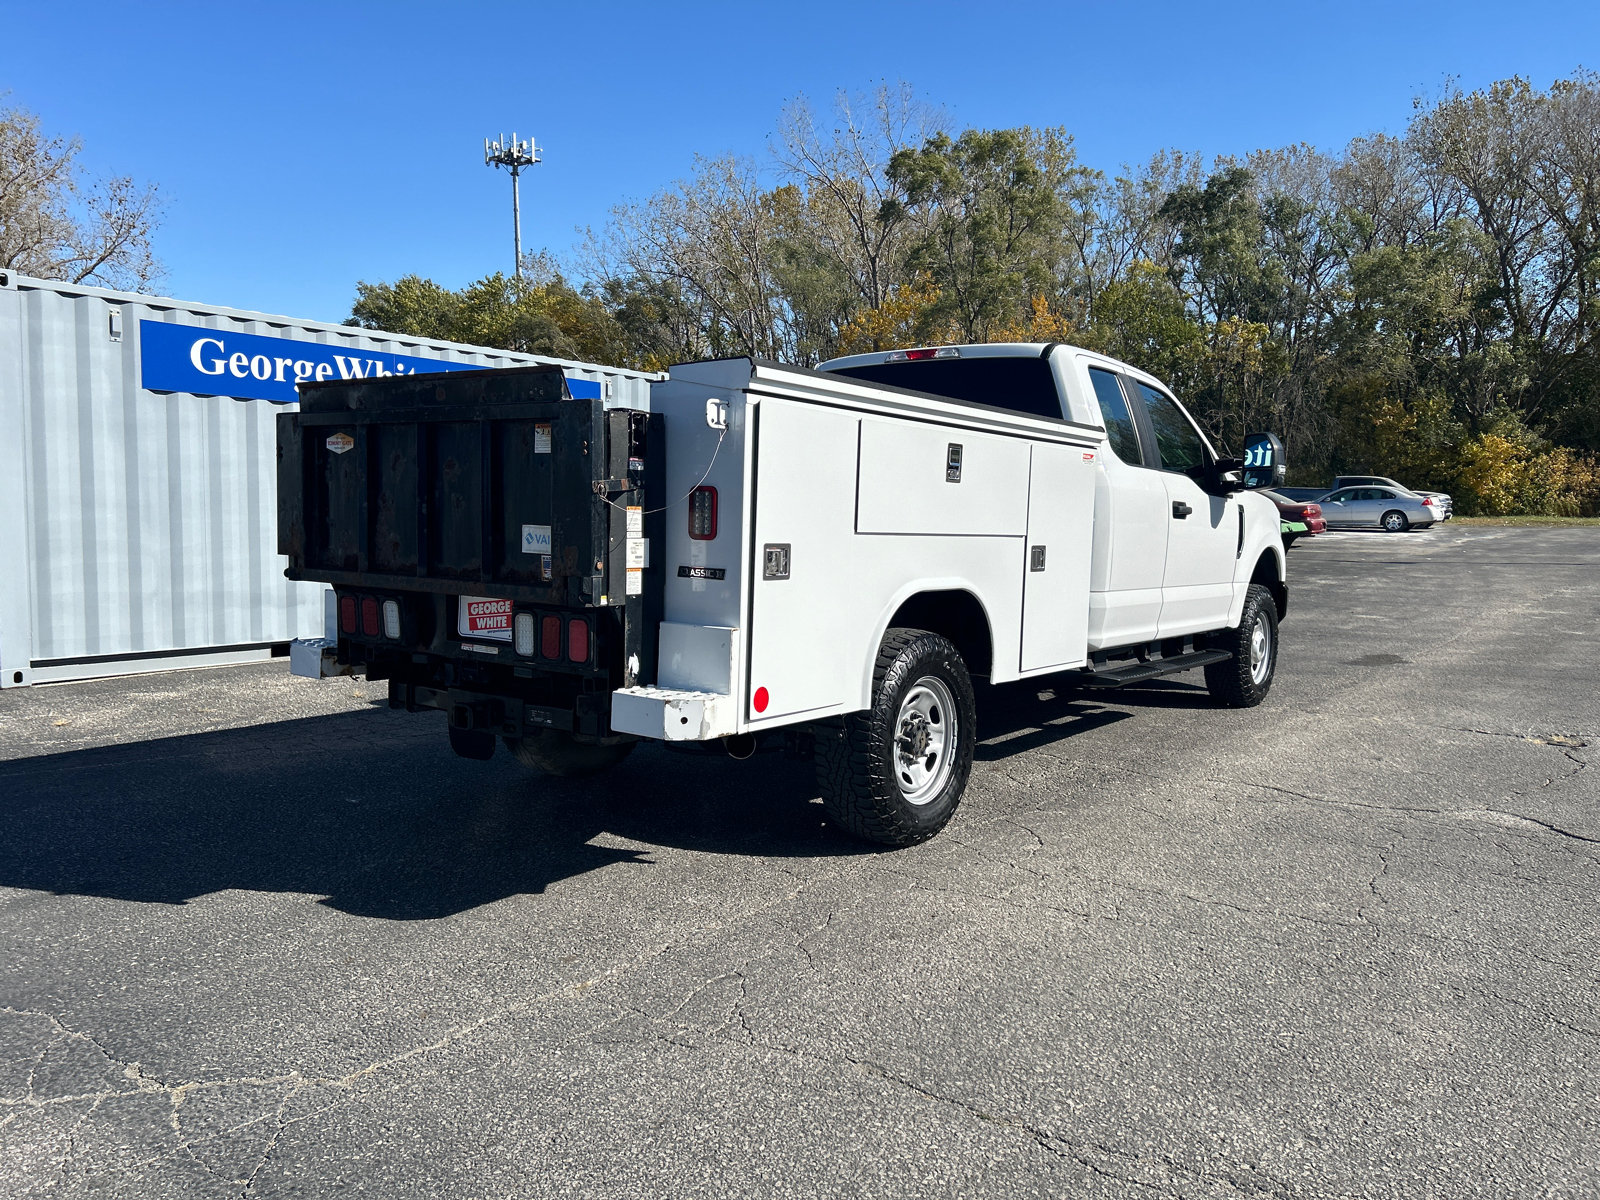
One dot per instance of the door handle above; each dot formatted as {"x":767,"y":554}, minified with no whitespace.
{"x":1180,"y":510}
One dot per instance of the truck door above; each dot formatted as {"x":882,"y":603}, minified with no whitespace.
{"x":1131,"y":529}
{"x":1055,"y":583}
{"x":1202,"y":530}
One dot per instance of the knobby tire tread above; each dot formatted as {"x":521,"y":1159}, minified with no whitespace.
{"x":1229,"y":682}
{"x":851,"y":764}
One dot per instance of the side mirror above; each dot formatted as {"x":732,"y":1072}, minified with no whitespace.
{"x":1227,"y":476}
{"x":1263,"y":464}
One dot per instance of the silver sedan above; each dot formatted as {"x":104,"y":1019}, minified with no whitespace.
{"x":1391,"y":509}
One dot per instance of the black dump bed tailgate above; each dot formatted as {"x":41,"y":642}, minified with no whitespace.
{"x":493,"y":484}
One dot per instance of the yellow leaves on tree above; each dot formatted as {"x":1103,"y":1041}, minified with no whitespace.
{"x":1042,"y":324}
{"x":901,"y":320}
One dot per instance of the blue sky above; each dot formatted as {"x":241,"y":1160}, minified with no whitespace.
{"x":303,"y":147}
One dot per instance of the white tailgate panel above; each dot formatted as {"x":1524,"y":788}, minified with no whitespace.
{"x":902,"y":485}
{"x":804,"y":634}
{"x":1055,"y":601}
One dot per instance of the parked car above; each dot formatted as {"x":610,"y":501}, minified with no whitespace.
{"x":1443,"y":506}
{"x":1301,"y":494}
{"x":1297,"y":518}
{"x":1390,"y":508}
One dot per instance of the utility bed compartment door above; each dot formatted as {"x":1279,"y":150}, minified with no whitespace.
{"x":808,"y":635}
{"x":907,"y":482}
{"x":1056,"y":557}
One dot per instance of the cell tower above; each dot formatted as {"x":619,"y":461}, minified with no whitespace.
{"x":513,"y":155}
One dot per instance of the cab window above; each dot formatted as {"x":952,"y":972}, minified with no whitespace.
{"x":1339,"y":497}
{"x":1176,"y":438}
{"x":1119,"y":421}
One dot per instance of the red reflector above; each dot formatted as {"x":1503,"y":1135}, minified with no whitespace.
{"x":703,"y":514}
{"x":347,"y":614}
{"x":916,"y":355}
{"x":550,"y":637}
{"x":759,"y":700}
{"x":369,"y":616}
{"x":578,"y":641}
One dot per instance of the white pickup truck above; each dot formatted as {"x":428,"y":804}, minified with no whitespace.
{"x":828,"y":556}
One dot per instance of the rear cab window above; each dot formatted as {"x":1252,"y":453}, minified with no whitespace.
{"x":1025,"y":385}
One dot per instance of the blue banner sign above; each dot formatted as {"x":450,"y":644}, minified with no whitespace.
{"x":247,"y":366}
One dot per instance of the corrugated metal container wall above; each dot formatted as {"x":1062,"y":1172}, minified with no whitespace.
{"x":138,"y":528}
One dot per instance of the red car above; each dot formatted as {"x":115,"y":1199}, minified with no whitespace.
{"x":1297,"y":518}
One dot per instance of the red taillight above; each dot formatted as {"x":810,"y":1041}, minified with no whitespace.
{"x":578,"y":641}
{"x":1313,"y":510}
{"x":347,"y":614}
{"x":550,"y":637}
{"x":703,"y":514}
{"x":369,"y":616}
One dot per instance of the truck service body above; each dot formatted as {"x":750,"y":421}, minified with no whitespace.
{"x":824,"y":556}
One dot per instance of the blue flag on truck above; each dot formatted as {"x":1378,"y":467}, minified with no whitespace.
{"x":249,"y":366}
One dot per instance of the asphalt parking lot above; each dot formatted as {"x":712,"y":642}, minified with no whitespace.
{"x":264,"y":937}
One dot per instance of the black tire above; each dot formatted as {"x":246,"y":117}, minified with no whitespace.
{"x":1289,"y":540}
{"x":1243,"y":681}
{"x":874,"y":784}
{"x":556,"y":752}
{"x":1394,"y":521}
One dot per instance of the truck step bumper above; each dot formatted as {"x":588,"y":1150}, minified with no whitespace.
{"x":1140,"y":672}
{"x":671,"y":715}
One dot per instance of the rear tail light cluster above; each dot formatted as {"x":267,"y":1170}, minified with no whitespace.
{"x":703,"y":514}
{"x":523,"y":634}
{"x":552,"y":638}
{"x":370,"y":617}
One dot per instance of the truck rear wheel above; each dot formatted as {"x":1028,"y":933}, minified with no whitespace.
{"x":556,"y":752}
{"x":1244,"y":680}
{"x":895,"y":773}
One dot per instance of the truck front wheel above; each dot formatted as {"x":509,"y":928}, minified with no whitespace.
{"x":556,"y":752}
{"x":1244,"y":680}
{"x":895,"y":773}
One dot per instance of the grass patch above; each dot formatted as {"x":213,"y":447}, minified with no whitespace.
{"x":1524,"y":521}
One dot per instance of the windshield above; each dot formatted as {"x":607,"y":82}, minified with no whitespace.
{"x":1024,"y":385}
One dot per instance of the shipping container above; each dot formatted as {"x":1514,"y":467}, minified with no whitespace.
{"x":138,"y":476}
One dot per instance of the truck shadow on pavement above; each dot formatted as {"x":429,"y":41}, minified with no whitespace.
{"x":372,"y":811}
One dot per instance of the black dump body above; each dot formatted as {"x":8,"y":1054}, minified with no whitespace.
{"x":495,"y":486}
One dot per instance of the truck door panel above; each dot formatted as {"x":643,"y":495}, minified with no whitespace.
{"x":1202,"y":530}
{"x":1056,"y":556}
{"x":1197,"y":590}
{"x":1130,"y":547}
{"x":905,"y":483}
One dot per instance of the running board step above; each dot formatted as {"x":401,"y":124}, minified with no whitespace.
{"x":1122,"y":676}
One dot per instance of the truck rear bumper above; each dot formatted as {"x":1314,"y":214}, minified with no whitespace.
{"x":671,"y":715}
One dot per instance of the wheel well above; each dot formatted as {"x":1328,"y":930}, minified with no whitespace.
{"x":956,"y":616}
{"x":1266,"y":574}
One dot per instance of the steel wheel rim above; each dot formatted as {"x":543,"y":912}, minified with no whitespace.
{"x":925,"y":738}
{"x":1260,"y":650}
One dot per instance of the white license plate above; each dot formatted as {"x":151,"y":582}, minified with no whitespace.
{"x":483,"y":619}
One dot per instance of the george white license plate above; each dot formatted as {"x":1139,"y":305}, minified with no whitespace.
{"x":481,"y":618}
